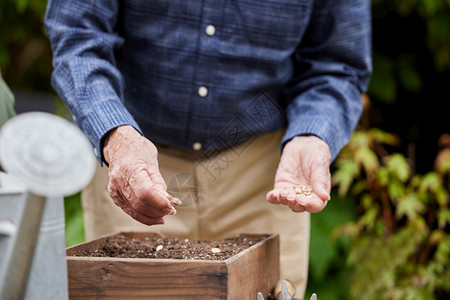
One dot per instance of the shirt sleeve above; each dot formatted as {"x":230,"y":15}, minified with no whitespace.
{"x":83,"y":39}
{"x":332,"y":70}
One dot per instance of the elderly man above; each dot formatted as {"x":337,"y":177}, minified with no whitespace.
{"x":194,"y":100}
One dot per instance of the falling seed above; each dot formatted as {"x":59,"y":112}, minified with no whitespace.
{"x":159,"y":247}
{"x":215,"y":250}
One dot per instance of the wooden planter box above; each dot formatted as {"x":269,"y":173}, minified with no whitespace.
{"x":242,"y":276}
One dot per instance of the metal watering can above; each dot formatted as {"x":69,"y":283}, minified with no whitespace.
{"x":46,"y":158}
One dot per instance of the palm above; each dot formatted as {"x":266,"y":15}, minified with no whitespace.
{"x":305,"y":165}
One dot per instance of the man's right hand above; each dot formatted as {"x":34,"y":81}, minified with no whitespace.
{"x":135,"y":183}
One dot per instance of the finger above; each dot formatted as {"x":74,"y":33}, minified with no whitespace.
{"x":293,"y":202}
{"x":295,"y":206}
{"x":321,"y":181}
{"x":291,"y":199}
{"x":280,"y":196}
{"x":283,"y":198}
{"x":312,"y":203}
{"x":121,"y":202}
{"x":142,"y":218}
{"x":148,"y":197}
{"x":159,"y":183}
{"x":173,"y":200}
{"x":273,"y":196}
{"x":135,"y":200}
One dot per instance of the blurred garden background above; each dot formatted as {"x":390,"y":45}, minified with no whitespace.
{"x":386,"y":232}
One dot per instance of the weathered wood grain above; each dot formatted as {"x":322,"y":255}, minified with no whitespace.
{"x":253,"y":270}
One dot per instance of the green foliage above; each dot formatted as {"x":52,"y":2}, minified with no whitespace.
{"x":436,"y":16}
{"x":383,"y":84}
{"x":25,"y":55}
{"x":74,"y":220}
{"x":328,"y":275}
{"x":401,"y":241}
{"x":396,"y":70}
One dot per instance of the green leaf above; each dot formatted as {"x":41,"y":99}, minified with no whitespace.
{"x":360,"y":139}
{"x":396,"y":190}
{"x":383,"y":137}
{"x":367,"y":158}
{"x":378,"y":261}
{"x":443,"y":251}
{"x":442,"y":197}
{"x":409,"y":206}
{"x":359,"y":187}
{"x":345,"y":174}
{"x":383,"y":177}
{"x":430,"y":7}
{"x":443,"y":217}
{"x":398,"y":165}
{"x":437,"y":236}
{"x":21,"y":5}
{"x":430,"y":182}
{"x":367,"y":201}
{"x":368,"y":219}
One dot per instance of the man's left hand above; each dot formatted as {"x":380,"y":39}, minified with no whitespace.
{"x":305,"y":164}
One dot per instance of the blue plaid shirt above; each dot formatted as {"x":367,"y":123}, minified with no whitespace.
{"x":211,"y":74}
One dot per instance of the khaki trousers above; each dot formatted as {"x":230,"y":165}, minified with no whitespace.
{"x":223,"y":196}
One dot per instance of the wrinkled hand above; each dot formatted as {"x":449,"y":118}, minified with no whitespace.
{"x":305,"y":161}
{"x":135,"y":184}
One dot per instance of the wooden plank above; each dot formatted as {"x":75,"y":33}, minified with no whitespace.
{"x":144,"y":278}
{"x":253,"y":270}
{"x":257,"y":269}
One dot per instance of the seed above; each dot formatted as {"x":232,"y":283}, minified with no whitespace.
{"x":302,"y":189}
{"x":215,"y":250}
{"x":159,"y":247}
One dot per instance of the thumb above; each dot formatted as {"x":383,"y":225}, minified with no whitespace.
{"x":156,"y":177}
{"x":160,"y":185}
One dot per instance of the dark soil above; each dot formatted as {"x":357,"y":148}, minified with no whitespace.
{"x":173,"y":248}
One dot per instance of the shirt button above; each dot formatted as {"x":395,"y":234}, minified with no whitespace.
{"x":95,"y":152}
{"x":210,"y":30}
{"x":202,"y":91}
{"x":197,"y":146}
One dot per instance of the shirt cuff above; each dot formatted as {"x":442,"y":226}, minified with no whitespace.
{"x":98,"y":122}
{"x":318,"y":127}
